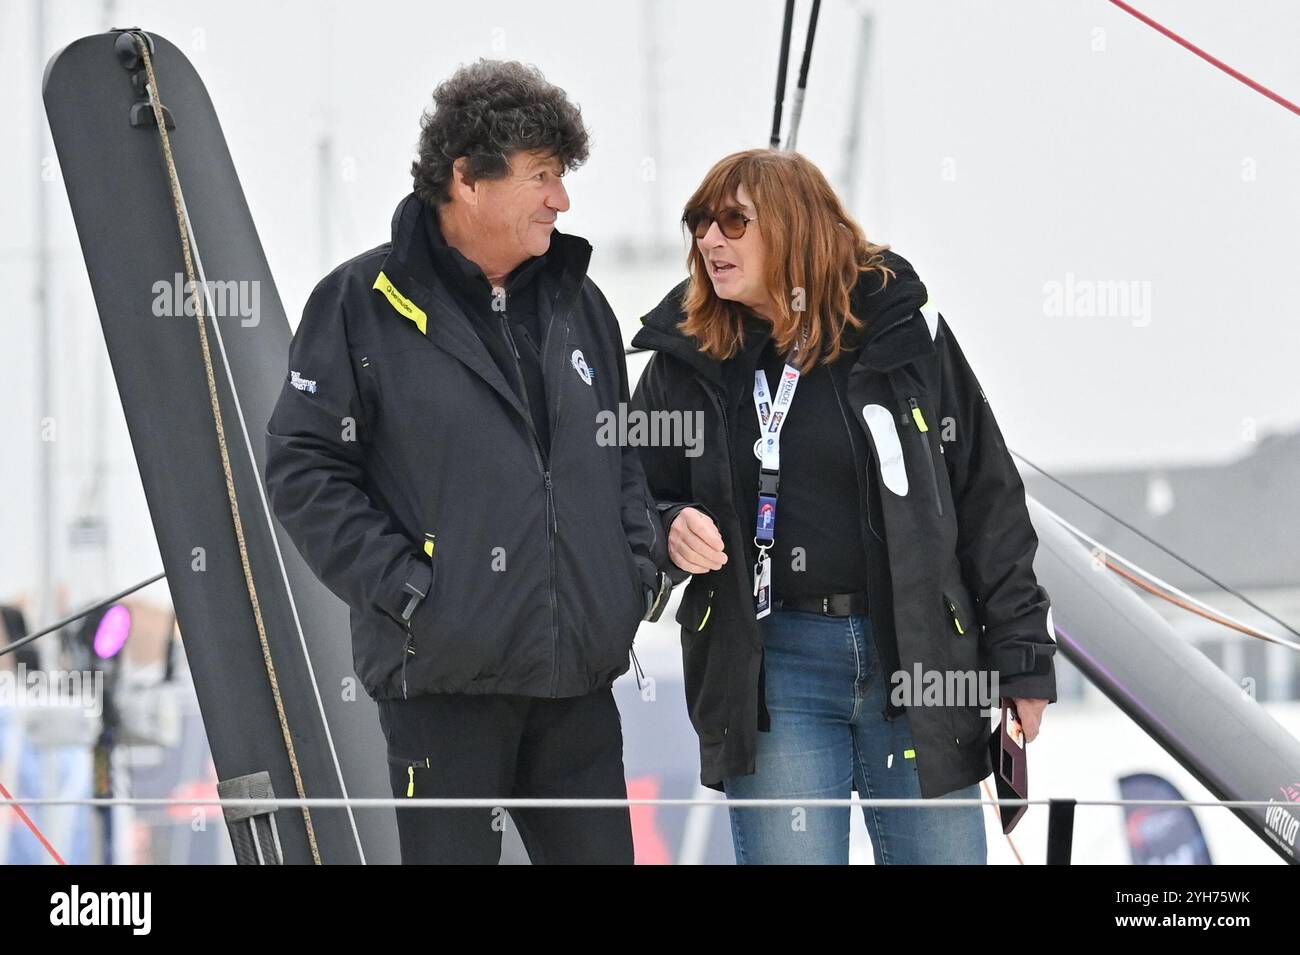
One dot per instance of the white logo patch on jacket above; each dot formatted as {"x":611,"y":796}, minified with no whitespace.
{"x":301,"y":383}
{"x":889,"y":448}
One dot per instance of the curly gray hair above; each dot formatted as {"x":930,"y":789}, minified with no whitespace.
{"x":486,"y":111}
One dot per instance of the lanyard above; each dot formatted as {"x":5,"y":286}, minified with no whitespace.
{"x":772,"y":415}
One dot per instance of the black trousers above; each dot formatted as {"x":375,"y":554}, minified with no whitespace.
{"x":500,"y":747}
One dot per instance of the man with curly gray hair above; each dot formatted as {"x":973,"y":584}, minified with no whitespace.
{"x":435,"y":456}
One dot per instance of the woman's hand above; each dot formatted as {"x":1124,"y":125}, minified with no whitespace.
{"x":695,"y":543}
{"x":1031,"y":715}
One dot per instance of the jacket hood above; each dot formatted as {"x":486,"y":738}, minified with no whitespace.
{"x":895,"y":331}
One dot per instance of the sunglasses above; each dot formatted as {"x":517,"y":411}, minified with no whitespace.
{"x":732,"y":222}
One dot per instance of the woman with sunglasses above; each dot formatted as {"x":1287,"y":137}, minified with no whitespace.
{"x":860,"y":552}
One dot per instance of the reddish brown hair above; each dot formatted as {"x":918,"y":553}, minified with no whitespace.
{"x":811,"y":244}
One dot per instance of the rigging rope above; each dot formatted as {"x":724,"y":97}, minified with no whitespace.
{"x":178,"y":202}
{"x":1212,"y":60}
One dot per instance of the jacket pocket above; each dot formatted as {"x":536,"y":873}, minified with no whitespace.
{"x":960,"y":628}
{"x":367,"y":376}
{"x":409,"y":650}
{"x":696,"y":608}
{"x":955,"y":615}
{"x":923,"y":429}
{"x":970,"y":725}
{"x":638,"y":588}
{"x":708,"y":610}
{"x":966,"y":717}
{"x":708,"y":659}
{"x":414,"y":767}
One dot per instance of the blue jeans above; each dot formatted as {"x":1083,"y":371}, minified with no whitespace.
{"x":826,"y":697}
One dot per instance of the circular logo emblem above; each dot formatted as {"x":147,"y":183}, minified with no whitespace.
{"x":580,"y":366}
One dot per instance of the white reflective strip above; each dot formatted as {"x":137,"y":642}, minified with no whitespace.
{"x":889,"y":449}
{"x":931,"y":315}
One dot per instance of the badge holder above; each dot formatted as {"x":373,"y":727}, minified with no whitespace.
{"x":764,"y":529}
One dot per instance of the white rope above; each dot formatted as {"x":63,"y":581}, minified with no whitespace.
{"x":483,"y":803}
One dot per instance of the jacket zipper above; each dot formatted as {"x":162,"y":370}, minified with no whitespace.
{"x":956,"y":620}
{"x":410,"y":652}
{"x":731,"y":469}
{"x":720,"y":399}
{"x":863,"y":491}
{"x":519,"y":373}
{"x":552,"y":520}
{"x":514,"y":348}
{"x":552,"y":528}
{"x":923,"y":428}
{"x":430,"y":542}
{"x":726,"y":433}
{"x":559,"y":399}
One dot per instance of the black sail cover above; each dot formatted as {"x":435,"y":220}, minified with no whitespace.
{"x":121,"y":201}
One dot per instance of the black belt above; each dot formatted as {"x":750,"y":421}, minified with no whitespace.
{"x":832,"y":605}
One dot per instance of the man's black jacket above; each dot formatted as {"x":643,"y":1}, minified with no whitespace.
{"x":402,"y":464}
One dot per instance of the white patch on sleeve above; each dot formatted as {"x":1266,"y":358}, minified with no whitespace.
{"x":889,"y":449}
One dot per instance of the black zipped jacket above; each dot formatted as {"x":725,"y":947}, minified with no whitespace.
{"x":407,"y":471}
{"x":949,"y":544}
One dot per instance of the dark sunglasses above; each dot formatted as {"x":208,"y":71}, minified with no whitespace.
{"x":732,"y":222}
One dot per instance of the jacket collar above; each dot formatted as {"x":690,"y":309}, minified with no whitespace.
{"x":411,"y":254}
{"x":895,"y":334}
{"x":468,"y":275}
{"x":409,"y":269}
